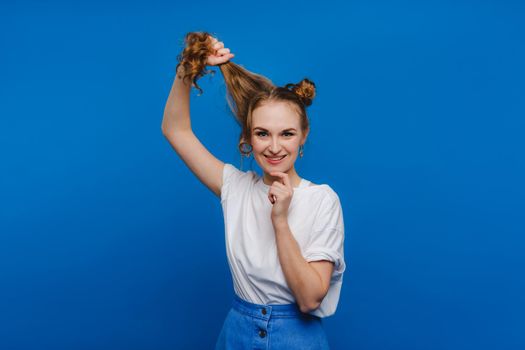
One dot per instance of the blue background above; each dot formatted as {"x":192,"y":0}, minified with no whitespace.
{"x":107,"y":240}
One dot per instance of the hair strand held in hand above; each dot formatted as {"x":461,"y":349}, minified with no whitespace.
{"x":193,"y":57}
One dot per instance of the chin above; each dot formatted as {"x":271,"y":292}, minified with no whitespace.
{"x":283,"y":168}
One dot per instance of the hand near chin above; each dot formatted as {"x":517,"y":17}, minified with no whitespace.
{"x":280,"y":195}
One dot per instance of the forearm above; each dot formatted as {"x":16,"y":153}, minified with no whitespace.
{"x":303,"y":280}
{"x":177,"y":109}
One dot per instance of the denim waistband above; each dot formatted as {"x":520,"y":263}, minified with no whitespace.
{"x":265,"y":311}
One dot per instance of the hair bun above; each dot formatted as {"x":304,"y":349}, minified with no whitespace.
{"x":305,"y":89}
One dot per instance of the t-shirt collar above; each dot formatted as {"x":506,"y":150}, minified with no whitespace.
{"x":304,"y":183}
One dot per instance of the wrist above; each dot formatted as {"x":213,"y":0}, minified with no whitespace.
{"x":180,"y":78}
{"x":279,"y":222}
{"x":180,"y":71}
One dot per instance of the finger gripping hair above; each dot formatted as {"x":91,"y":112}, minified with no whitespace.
{"x":305,"y":90}
{"x":198,"y":47}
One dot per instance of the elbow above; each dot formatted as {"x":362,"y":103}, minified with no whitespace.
{"x":309,"y":307}
{"x":168,"y":130}
{"x":313,"y":303}
{"x":166,"y":126}
{"x":164,"y":129}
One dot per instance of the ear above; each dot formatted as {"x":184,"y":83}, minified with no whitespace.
{"x":243,"y":139}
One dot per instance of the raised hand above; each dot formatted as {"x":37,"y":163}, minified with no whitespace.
{"x":280,"y":195}
{"x":220,"y":53}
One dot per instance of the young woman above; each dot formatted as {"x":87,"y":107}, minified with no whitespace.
{"x":284,"y":235}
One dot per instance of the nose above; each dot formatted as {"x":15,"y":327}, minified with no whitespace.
{"x":274,"y":146}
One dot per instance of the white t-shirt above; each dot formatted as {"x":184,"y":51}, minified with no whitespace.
{"x":315,"y":218}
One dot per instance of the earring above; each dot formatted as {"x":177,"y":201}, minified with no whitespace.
{"x":245,"y":152}
{"x":301,"y":148}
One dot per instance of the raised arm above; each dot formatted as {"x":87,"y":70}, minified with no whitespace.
{"x":176,"y":126}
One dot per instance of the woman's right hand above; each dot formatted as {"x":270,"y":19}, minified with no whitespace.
{"x":220,"y":54}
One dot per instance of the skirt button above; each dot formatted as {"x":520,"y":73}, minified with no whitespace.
{"x":263,"y":311}
{"x":262,"y":333}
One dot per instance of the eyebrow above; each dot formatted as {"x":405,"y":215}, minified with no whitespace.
{"x":263,"y":129}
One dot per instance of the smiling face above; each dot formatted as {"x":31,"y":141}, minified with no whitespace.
{"x":275,"y":137}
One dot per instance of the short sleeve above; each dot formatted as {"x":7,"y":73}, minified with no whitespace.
{"x":230,"y":176}
{"x":327,"y":239}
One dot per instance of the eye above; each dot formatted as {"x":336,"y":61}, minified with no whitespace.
{"x":259,"y":133}
{"x":288,"y":133}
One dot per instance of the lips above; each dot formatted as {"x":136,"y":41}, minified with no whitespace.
{"x":275,"y":160}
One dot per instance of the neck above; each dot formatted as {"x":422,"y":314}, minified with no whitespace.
{"x":292,"y":175}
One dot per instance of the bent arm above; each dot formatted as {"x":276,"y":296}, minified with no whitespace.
{"x":308,"y":281}
{"x":176,"y":127}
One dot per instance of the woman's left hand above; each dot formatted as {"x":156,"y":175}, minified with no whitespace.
{"x":280,"y":195}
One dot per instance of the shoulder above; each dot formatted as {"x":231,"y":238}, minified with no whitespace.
{"x":231,"y":171}
{"x":330,"y":193}
{"x":328,"y":211}
{"x":330,"y":201}
{"x":234,"y":180}
{"x":323,"y":194}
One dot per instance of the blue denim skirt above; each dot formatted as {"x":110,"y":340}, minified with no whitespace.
{"x":273,"y":327}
